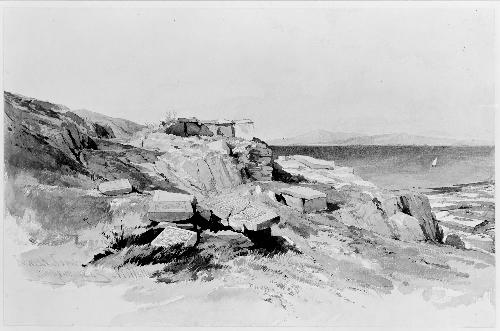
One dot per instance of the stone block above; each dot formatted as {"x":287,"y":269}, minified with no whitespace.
{"x":172,"y":236}
{"x":172,"y":207}
{"x":115,"y":187}
{"x":240,"y":213}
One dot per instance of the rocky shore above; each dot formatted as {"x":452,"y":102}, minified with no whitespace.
{"x":198,"y":205}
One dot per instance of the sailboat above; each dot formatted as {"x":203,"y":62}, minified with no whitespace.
{"x":434,"y":163}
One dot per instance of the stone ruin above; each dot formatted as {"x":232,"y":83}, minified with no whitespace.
{"x":183,"y":219}
{"x":187,"y":127}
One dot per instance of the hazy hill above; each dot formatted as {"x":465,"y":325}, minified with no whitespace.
{"x":318,"y":137}
{"x":322,"y":137}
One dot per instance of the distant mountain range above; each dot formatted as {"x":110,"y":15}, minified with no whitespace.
{"x":323,"y":137}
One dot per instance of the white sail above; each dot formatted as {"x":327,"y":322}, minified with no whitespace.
{"x":434,"y":163}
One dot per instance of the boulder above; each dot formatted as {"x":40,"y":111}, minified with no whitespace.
{"x":418,"y":206}
{"x":407,"y":228}
{"x":455,"y":240}
{"x":115,"y":187}
{"x":171,"y":207}
{"x":172,"y":236}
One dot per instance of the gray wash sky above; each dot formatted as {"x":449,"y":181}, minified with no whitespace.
{"x":427,"y":71}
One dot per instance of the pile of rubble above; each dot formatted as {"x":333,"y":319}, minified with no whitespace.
{"x":183,"y":218}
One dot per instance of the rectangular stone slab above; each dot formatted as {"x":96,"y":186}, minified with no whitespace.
{"x":184,"y":226}
{"x":171,"y":236}
{"x":115,"y":187}
{"x":172,"y":207}
{"x":253,"y":218}
{"x":241,"y":213}
{"x":303,"y":192}
{"x":172,"y":211}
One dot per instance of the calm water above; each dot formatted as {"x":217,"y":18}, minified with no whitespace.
{"x":396,"y":167}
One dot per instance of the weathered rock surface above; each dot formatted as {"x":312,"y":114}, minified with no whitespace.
{"x":407,"y":228}
{"x":254,"y":159}
{"x":171,"y":236}
{"x":38,"y":135}
{"x":115,"y":187}
{"x":171,"y":207}
{"x":304,"y":199}
{"x":201,"y":165}
{"x":240,"y":213}
{"x":418,"y":206}
{"x":301,"y":167}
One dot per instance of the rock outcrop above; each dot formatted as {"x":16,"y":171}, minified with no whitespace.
{"x":418,"y":206}
{"x":316,"y":171}
{"x":303,"y":199}
{"x":255,"y":158}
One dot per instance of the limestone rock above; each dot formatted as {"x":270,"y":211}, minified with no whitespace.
{"x":304,"y":199}
{"x":366,"y":216}
{"x":172,"y":236}
{"x":242,"y":214}
{"x":418,"y":206}
{"x":407,"y":227}
{"x":115,"y":187}
{"x":291,"y":169}
{"x":172,"y":207}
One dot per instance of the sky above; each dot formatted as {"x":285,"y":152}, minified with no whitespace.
{"x":292,"y":69}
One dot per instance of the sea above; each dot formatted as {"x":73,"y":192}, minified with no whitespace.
{"x":407,"y":167}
